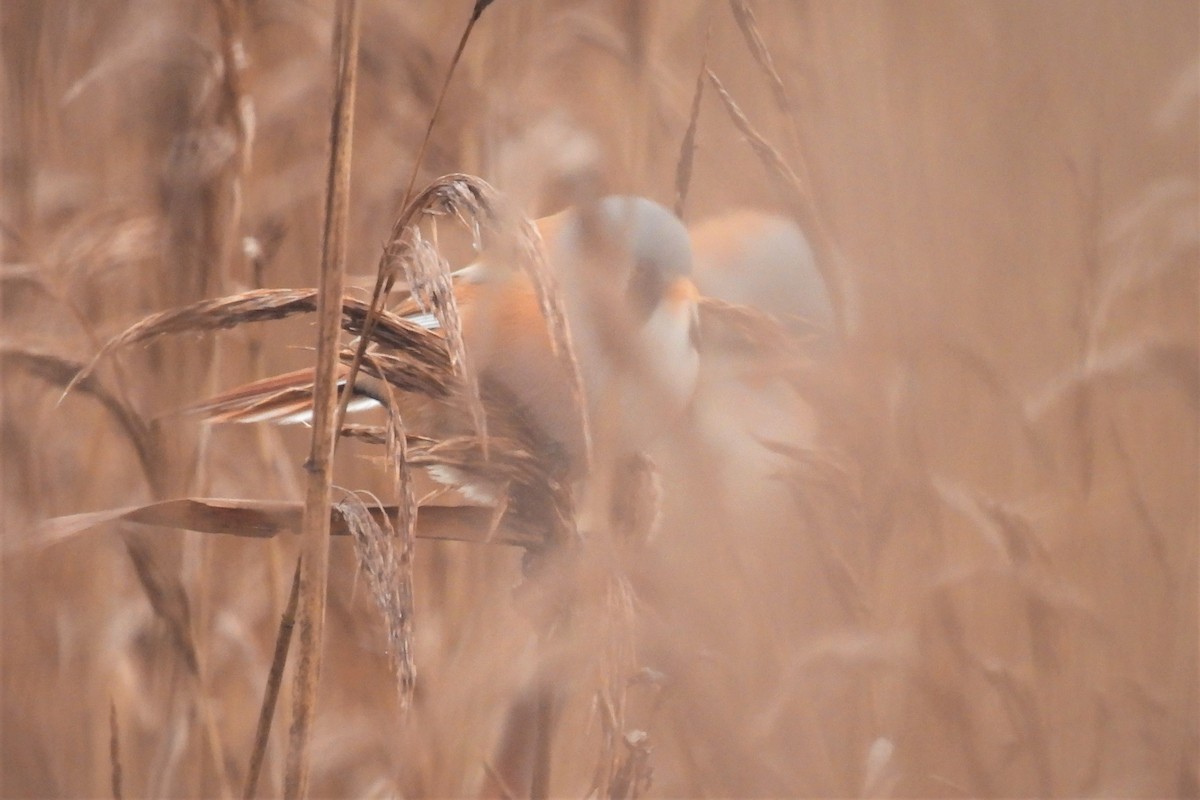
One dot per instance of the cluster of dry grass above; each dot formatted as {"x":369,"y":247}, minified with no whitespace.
{"x":957,"y":557}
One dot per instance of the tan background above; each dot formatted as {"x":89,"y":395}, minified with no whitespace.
{"x":1003,"y":582}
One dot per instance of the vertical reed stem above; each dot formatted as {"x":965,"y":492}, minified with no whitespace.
{"x":314,"y":567}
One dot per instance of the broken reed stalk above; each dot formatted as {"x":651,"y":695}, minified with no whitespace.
{"x":314,"y":568}
{"x":385,"y":278}
{"x":266,"y":713}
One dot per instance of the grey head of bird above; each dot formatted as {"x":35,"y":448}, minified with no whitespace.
{"x":625,"y":264}
{"x":622,"y":245}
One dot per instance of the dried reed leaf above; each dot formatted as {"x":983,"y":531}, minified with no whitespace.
{"x":263,"y":519}
{"x":63,"y":372}
{"x":209,"y":315}
{"x":259,"y":305}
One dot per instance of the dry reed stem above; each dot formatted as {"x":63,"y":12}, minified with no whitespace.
{"x":314,"y":567}
{"x":266,"y":713}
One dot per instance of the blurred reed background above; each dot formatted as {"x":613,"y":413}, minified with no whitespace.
{"x":963,"y":564}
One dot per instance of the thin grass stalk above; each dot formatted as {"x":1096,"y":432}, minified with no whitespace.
{"x":114,"y":750}
{"x":20,"y":116}
{"x":743,"y":14}
{"x":687,"y":148}
{"x":319,"y":493}
{"x":799,"y":202}
{"x":236,"y":109}
{"x":59,"y":371}
{"x":386,"y":278}
{"x":543,"y":737}
{"x":169,"y":601}
{"x":266,"y":714}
